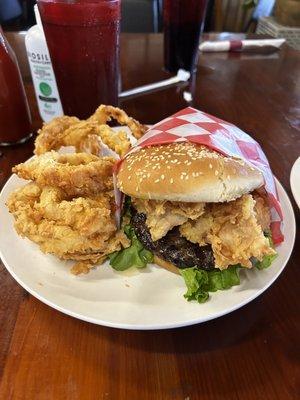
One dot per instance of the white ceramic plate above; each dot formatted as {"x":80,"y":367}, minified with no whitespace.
{"x":140,"y":299}
{"x":295,"y":181}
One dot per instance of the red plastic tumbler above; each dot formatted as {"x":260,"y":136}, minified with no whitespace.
{"x":83,"y":41}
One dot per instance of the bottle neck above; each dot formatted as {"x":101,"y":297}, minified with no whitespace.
{"x":2,"y":40}
{"x":6,"y":48}
{"x":38,"y":17}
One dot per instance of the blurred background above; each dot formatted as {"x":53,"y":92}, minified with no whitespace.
{"x":262,"y":16}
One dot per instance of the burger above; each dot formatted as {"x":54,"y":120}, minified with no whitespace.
{"x":196,"y":212}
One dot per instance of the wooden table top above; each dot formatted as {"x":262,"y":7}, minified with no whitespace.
{"x":250,"y":354}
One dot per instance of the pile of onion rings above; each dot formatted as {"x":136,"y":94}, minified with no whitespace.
{"x":68,"y":208}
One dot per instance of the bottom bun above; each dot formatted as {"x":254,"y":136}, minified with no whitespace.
{"x":167,"y":265}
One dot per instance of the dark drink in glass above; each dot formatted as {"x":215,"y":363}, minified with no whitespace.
{"x":15,"y":119}
{"x":183,"y":24}
{"x":83,"y":41}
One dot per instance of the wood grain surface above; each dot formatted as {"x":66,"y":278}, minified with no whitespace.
{"x":251,"y":354}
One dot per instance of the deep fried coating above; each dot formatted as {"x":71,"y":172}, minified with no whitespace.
{"x":104,"y":113}
{"x":84,"y":136}
{"x":88,"y":260}
{"x":51,"y":133}
{"x":82,"y":214}
{"x":262,"y":211}
{"x":90,"y":135}
{"x":77,"y":174}
{"x":162,"y":216}
{"x":233,"y":231}
{"x":69,"y":210}
{"x":81,"y":229}
{"x":116,"y":140}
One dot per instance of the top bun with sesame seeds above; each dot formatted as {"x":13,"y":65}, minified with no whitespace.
{"x":186,"y":172}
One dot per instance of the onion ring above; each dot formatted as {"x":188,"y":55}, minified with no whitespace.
{"x":104,"y":113}
{"x":77,"y":174}
{"x":80,"y":229}
{"x":84,"y":136}
{"x":51,"y":133}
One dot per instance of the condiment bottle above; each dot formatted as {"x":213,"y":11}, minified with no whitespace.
{"x":15,"y":120}
{"x":43,"y":77}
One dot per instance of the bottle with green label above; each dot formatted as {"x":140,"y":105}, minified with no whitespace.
{"x":43,"y":77}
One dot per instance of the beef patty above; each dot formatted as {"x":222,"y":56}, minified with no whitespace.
{"x":173,"y":247}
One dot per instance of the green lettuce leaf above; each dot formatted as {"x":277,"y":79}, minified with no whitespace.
{"x":135,"y":255}
{"x":200,"y":282}
{"x":222,"y":280}
{"x":196,"y":281}
{"x":267,"y":260}
{"x":265,"y":263}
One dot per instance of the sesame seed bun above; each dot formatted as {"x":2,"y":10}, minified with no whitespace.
{"x":185,"y":172}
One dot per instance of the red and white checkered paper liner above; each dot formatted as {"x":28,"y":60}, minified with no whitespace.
{"x":191,"y":125}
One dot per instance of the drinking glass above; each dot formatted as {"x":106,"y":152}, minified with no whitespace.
{"x":83,"y":41}
{"x":183,"y":24}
